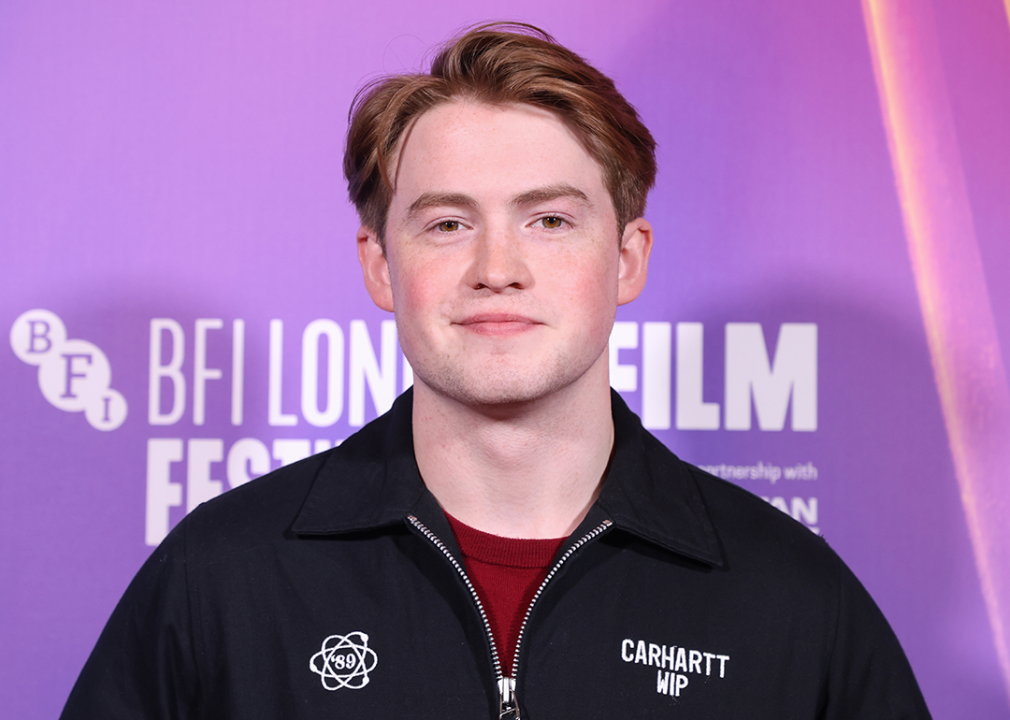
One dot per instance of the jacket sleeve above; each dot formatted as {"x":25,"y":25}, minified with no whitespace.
{"x":869,"y":675}
{"x":144,"y":664}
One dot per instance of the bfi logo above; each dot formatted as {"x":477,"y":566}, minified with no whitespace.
{"x":74,"y":375}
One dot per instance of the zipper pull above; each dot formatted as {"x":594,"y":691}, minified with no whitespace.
{"x":508,"y":709}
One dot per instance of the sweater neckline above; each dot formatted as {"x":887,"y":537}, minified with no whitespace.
{"x":507,"y":552}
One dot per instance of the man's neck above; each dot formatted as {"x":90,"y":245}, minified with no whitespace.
{"x":529,"y":472}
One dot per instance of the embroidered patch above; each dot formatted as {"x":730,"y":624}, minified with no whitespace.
{"x":674,"y":664}
{"x":344,"y":661}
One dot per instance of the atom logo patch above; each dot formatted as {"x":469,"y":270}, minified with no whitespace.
{"x":344,"y":661}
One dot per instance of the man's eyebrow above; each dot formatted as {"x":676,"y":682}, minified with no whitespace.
{"x":437,"y":199}
{"x":548,"y":193}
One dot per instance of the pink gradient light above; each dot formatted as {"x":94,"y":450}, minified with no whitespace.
{"x":964,"y":347}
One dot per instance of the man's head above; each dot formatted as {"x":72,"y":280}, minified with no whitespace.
{"x":500,"y":65}
{"x":490,"y":193}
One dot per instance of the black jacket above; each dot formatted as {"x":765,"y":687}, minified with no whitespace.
{"x":330,"y":589}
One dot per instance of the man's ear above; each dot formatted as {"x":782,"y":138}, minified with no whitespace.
{"x":375,"y":268}
{"x":636,"y":245}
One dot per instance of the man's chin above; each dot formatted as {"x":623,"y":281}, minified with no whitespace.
{"x":509,"y":384}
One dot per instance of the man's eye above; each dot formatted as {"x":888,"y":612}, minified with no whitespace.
{"x":448,"y":226}
{"x":552,"y":222}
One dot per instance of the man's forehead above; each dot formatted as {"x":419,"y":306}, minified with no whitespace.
{"x":454,"y":134}
{"x":461,"y":110}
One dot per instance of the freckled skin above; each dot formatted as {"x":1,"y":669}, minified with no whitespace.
{"x":503,"y":294}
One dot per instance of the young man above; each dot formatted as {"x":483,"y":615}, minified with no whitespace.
{"x":508,"y":541}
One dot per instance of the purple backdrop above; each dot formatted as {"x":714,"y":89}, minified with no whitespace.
{"x":171,"y":172}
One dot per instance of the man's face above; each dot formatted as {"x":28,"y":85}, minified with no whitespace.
{"x":502,"y":261}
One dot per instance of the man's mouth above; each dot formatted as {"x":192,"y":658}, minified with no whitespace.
{"x":498,"y":324}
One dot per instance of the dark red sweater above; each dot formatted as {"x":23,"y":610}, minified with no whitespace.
{"x":506,"y":573}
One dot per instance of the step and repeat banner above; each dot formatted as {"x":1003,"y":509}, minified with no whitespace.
{"x":823,"y":324}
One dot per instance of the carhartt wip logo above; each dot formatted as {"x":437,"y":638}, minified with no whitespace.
{"x":344,"y":661}
{"x":674,"y":664}
{"x":74,"y":375}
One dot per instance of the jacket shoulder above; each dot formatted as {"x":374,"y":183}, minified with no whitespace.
{"x":750,"y":528}
{"x":267,"y":496}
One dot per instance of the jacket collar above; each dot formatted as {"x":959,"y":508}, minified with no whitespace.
{"x":371,"y":481}
{"x":653,"y":494}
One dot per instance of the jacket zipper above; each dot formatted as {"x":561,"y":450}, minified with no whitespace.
{"x":508,"y":707}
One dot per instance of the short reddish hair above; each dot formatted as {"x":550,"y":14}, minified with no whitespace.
{"x":500,"y":64}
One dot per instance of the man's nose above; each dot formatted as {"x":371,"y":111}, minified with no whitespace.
{"x":500,"y":261}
